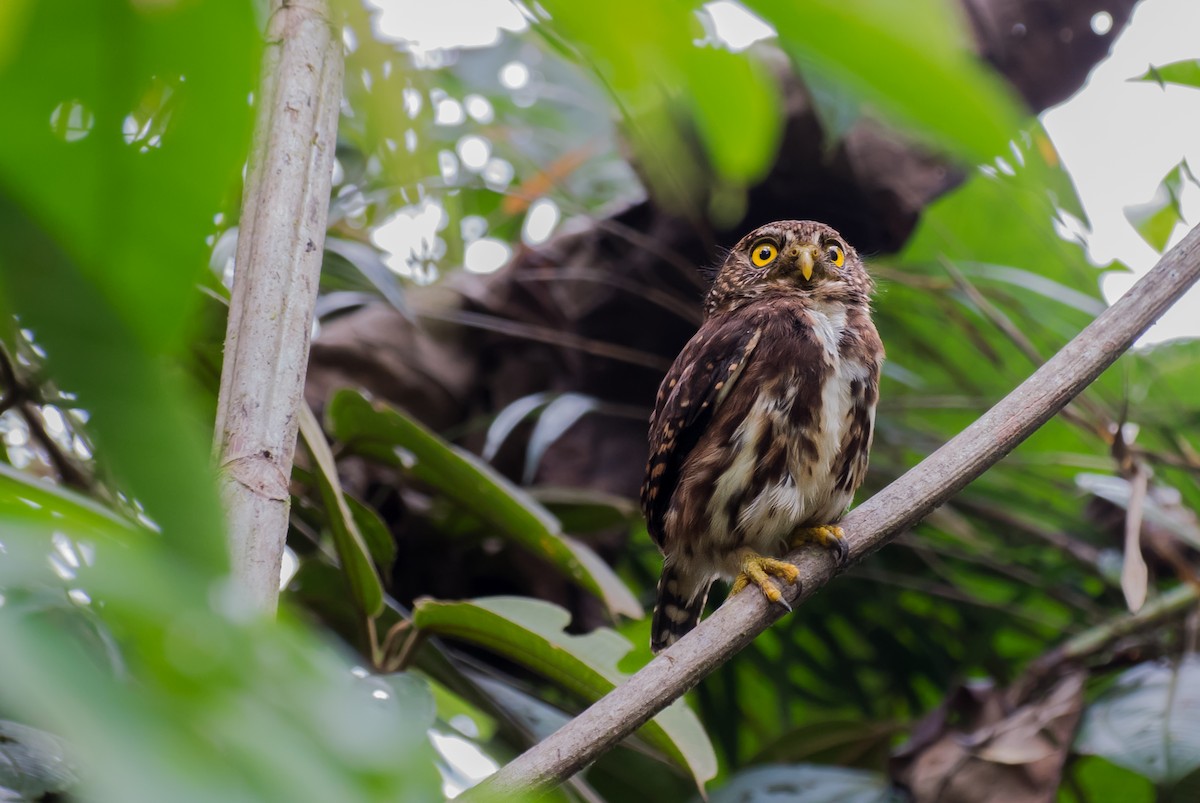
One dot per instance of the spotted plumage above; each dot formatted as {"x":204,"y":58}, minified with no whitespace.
{"x":762,"y":426}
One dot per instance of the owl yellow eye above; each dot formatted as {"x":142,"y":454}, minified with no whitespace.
{"x":836,"y":255}
{"x":763,"y":254}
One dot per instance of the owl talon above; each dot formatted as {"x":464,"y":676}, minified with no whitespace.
{"x":759,"y":570}
{"x":830,"y":536}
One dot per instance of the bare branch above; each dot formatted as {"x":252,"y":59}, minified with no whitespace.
{"x":870,"y":526}
{"x":279,"y":250}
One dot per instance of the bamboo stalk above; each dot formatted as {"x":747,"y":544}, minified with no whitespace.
{"x":280,"y":243}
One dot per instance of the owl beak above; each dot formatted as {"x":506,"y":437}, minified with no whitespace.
{"x":804,"y":257}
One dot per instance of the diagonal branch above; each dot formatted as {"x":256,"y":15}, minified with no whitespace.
{"x":870,"y":526}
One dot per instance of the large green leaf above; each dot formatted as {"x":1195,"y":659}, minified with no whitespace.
{"x":204,"y":703}
{"x":382,"y":432}
{"x":911,"y":61}
{"x":110,"y":178}
{"x":1149,"y":722}
{"x":530,"y":632}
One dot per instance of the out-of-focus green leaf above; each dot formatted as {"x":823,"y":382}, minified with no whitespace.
{"x":278,"y":712}
{"x":33,"y":763}
{"x":1182,"y":73}
{"x":1156,"y":219}
{"x":352,"y":549}
{"x":806,"y":783}
{"x":1100,"y":780}
{"x":530,"y":632}
{"x":382,"y":432}
{"x":911,"y":61}
{"x":118,"y":122}
{"x":658,"y":76}
{"x":1149,"y":722}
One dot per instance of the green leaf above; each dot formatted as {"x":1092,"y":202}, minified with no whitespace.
{"x":530,"y":632}
{"x":658,"y":77}
{"x":806,"y":783}
{"x":1100,"y":780}
{"x":375,"y":533}
{"x":1156,"y":219}
{"x":1182,"y":73}
{"x":582,"y":510}
{"x":383,"y":433}
{"x":910,"y":61}
{"x":351,"y":547}
{"x":1148,"y":722}
{"x":109,"y":182}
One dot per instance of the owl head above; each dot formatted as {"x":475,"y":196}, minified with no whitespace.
{"x":790,"y":257}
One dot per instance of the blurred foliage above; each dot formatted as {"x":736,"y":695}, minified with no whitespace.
{"x":131,"y":670}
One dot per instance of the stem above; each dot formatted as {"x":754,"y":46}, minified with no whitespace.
{"x":280,"y":244}
{"x":870,"y":526}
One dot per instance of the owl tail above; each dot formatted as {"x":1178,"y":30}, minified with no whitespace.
{"x":677,"y":611}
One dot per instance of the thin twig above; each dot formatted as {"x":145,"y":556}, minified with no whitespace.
{"x":870,"y":526}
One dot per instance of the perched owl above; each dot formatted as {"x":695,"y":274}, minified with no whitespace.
{"x":761,"y":428}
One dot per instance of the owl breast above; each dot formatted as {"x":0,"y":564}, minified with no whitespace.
{"x":800,"y":452}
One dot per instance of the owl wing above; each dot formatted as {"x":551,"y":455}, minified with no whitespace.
{"x":698,"y":382}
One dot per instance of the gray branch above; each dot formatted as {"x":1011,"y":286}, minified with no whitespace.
{"x":280,"y":243}
{"x":870,"y":526}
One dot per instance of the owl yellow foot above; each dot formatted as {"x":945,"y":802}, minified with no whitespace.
{"x":830,"y":536}
{"x":759,"y":570}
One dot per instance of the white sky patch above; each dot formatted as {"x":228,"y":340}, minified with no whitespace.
{"x":427,"y":26}
{"x":474,"y":152}
{"x":466,"y":760}
{"x":479,"y":108}
{"x":1118,"y":139}
{"x":449,"y":112}
{"x":540,"y":221}
{"x":486,"y":255}
{"x":410,"y":234}
{"x":498,"y":174}
{"x":735,"y":25}
{"x":514,"y":75}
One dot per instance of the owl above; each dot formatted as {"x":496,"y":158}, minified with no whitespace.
{"x":762,"y":427}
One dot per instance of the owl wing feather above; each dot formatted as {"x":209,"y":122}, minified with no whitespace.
{"x":699,"y":380}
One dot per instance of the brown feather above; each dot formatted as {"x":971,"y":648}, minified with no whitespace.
{"x":764,"y":423}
